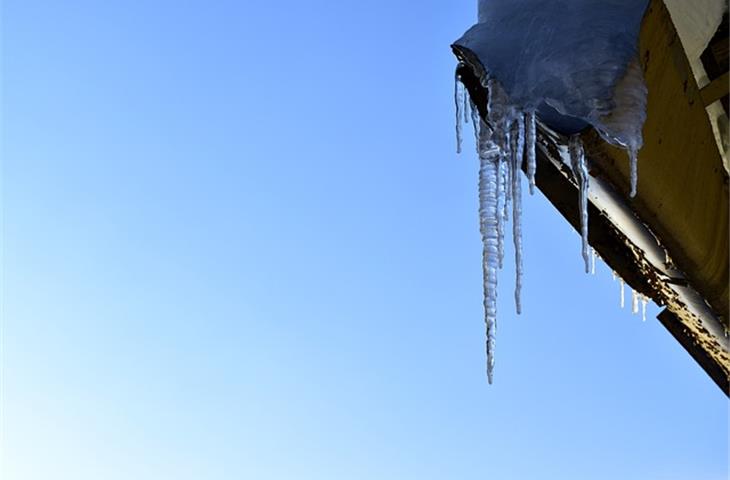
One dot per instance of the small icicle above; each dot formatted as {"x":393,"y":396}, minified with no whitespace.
{"x":613,"y":274}
{"x":466,"y":104}
{"x":633,"y":164}
{"x":644,"y":301}
{"x":458,"y":101}
{"x":593,"y":262}
{"x":475,"y":121}
{"x":507,"y":160}
{"x":634,"y":302}
{"x":518,"y":146}
{"x":621,"y":283}
{"x":578,"y":165}
{"x":530,"y":138}
{"x":488,"y":177}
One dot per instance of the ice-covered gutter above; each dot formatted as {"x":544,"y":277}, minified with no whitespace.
{"x":504,"y":104}
{"x":539,"y":59}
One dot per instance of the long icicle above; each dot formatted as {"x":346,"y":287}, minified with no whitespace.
{"x":530,"y":139}
{"x":578,"y":164}
{"x":488,"y":177}
{"x":518,"y":146}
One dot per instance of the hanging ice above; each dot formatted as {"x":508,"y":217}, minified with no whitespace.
{"x":593,"y":262}
{"x":578,"y":164}
{"x":567,"y":70}
{"x":501,"y":206}
{"x":466,"y":105}
{"x":475,"y":123}
{"x":518,"y":147}
{"x":488,"y":176}
{"x":644,"y":301}
{"x":634,"y":302}
{"x":621,"y":282}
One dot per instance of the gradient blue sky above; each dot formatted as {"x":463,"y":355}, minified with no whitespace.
{"x":238,"y":244}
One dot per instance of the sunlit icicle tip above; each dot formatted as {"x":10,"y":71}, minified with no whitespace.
{"x":593,"y":262}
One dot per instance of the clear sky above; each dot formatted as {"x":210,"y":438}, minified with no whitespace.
{"x":238,"y":244}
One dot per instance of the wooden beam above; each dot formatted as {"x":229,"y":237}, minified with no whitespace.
{"x":683,"y":186}
{"x":716,"y":89}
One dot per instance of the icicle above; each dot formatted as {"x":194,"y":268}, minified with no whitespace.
{"x":634,"y":302}
{"x":475,"y":121}
{"x":506,"y":181}
{"x":466,"y":104}
{"x":621,"y":282}
{"x":501,"y":200}
{"x":643,"y":308}
{"x":578,"y":164}
{"x":530,"y":138}
{"x":593,"y":262}
{"x":633,"y":164}
{"x":488,"y":177}
{"x":518,"y":145}
{"x":458,"y":102}
{"x":613,"y":274}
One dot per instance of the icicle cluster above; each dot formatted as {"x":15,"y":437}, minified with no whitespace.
{"x":504,"y":143}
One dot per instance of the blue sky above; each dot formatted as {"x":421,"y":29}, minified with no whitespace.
{"x":238,"y":244}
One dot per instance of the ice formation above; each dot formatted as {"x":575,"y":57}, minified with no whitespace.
{"x":566,"y":71}
{"x":580,"y":171}
{"x":502,"y":152}
{"x":458,"y":100}
{"x":634,"y":302}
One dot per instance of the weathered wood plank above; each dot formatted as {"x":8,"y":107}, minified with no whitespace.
{"x":683,"y":186}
